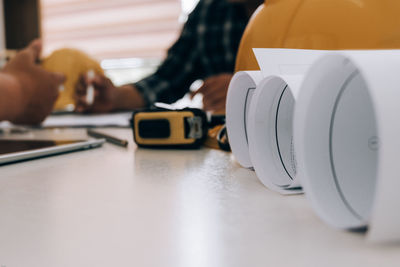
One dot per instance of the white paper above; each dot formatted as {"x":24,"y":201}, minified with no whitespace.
{"x":240,"y":92}
{"x":121,"y":119}
{"x":346,"y":134}
{"x":381,"y":71}
{"x":270,"y":134}
{"x":277,"y":61}
{"x":271,"y":116}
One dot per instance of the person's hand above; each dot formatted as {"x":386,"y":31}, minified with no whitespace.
{"x":104,"y":96}
{"x":36,"y":89}
{"x":107,"y":97}
{"x":214,"y":90}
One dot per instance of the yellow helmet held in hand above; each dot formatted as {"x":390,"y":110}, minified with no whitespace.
{"x":72,"y":63}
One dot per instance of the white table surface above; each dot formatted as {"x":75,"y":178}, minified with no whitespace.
{"x":138,"y":207}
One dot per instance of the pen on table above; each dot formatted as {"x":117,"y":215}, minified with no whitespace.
{"x":90,"y":89}
{"x":109,"y":138}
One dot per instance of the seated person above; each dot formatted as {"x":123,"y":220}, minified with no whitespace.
{"x":206,"y":49}
{"x":27,"y":92}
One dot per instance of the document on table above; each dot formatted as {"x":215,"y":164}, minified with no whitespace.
{"x":121,"y":119}
{"x":277,"y":61}
{"x":349,"y":171}
{"x":271,"y":107}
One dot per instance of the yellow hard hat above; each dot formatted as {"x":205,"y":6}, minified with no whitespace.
{"x":320,"y":24}
{"x":72,"y":63}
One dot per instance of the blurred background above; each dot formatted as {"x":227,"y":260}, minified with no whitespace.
{"x":128,"y":37}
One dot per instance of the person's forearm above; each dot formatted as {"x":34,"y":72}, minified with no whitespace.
{"x":10,"y":97}
{"x":128,"y":97}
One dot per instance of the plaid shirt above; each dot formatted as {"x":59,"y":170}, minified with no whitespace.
{"x":207,"y":46}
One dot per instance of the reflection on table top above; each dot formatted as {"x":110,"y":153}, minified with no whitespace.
{"x":140,"y":207}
